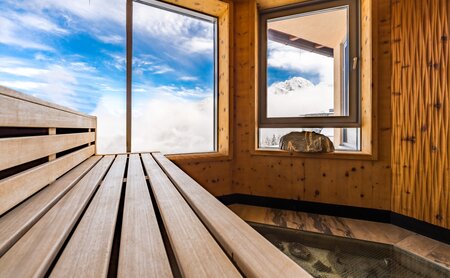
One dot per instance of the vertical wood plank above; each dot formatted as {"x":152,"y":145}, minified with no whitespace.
{"x":420,"y":110}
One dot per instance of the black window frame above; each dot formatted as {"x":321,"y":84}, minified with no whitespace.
{"x":353,"y":119}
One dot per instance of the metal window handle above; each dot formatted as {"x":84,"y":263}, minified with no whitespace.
{"x":355,"y":63}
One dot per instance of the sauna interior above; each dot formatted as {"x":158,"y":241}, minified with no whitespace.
{"x":225,"y":138}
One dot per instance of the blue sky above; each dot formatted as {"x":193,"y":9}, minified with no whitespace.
{"x":74,"y":53}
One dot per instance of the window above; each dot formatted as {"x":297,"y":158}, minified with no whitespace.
{"x":174,"y":86}
{"x":309,"y":72}
{"x":163,"y":95}
{"x":71,"y":53}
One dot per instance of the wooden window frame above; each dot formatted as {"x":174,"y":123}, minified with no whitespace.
{"x":354,"y":118}
{"x":221,"y":10}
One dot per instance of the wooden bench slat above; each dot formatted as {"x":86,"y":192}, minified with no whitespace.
{"x":196,"y":251}
{"x":17,"y":188}
{"x":15,"y":94}
{"x":22,"y":113}
{"x":15,"y":223}
{"x":142,"y":252}
{"x":35,"y":251}
{"x":88,"y":251}
{"x":16,"y":151}
{"x":254,"y":255}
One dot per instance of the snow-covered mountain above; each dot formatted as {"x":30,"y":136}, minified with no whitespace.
{"x":290,"y":85}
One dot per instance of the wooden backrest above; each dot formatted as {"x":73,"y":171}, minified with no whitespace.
{"x":39,"y":142}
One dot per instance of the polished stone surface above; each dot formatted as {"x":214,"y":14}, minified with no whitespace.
{"x":352,"y":228}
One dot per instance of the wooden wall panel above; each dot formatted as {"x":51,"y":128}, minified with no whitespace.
{"x":363,"y":183}
{"x":214,"y":176}
{"x":420,"y":110}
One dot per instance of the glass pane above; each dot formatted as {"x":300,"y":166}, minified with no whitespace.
{"x":344,"y":139}
{"x":173,"y":81}
{"x":71,"y":53}
{"x":307,"y":64}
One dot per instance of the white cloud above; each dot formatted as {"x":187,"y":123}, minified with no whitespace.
{"x":111,"y":39}
{"x":310,"y":100}
{"x":183,"y":32}
{"x":160,"y":69}
{"x":175,"y":125}
{"x":162,"y":121}
{"x":55,"y":83}
{"x":23,"y":71}
{"x":188,"y":78}
{"x":82,"y":67}
{"x":199,"y":45}
{"x":11,"y":34}
{"x":169,"y":91}
{"x":92,"y":10}
{"x":111,"y":127}
{"x":290,"y":58}
{"x":40,"y":23}
{"x":118,"y":60}
{"x":22,"y":85}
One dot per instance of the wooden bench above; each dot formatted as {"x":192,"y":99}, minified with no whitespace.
{"x":66,"y":212}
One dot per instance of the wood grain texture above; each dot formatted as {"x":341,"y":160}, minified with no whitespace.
{"x":89,"y":249}
{"x":20,"y":150}
{"x":255,"y":256}
{"x":17,"y":188}
{"x":213,"y":7}
{"x":15,"y":223}
{"x":28,"y":98}
{"x":196,"y":251}
{"x":33,"y":254}
{"x":356,"y":182}
{"x":142,"y":251}
{"x":420,"y":110}
{"x":19,"y":113}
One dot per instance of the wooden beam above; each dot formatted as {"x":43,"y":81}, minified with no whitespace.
{"x":35,"y":251}
{"x":17,"y":188}
{"x":89,"y":249}
{"x":16,"y":151}
{"x":28,"y":98}
{"x":16,"y":223}
{"x":142,"y":252}
{"x":299,"y":43}
{"x":20,"y":113}
{"x":129,"y":28}
{"x":181,"y":224}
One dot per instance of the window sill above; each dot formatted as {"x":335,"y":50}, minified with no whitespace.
{"x":351,"y":155}
{"x":199,"y":157}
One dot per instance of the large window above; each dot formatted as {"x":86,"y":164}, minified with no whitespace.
{"x":71,"y":53}
{"x":309,"y":72}
{"x":160,"y":96}
{"x":174,"y":87}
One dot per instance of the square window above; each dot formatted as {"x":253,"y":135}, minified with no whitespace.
{"x":309,"y":66}
{"x":309,"y":72}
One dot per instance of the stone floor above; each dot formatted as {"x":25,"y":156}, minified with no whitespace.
{"x":359,"y":229}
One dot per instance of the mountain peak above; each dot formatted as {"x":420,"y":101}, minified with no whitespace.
{"x":287,"y":86}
